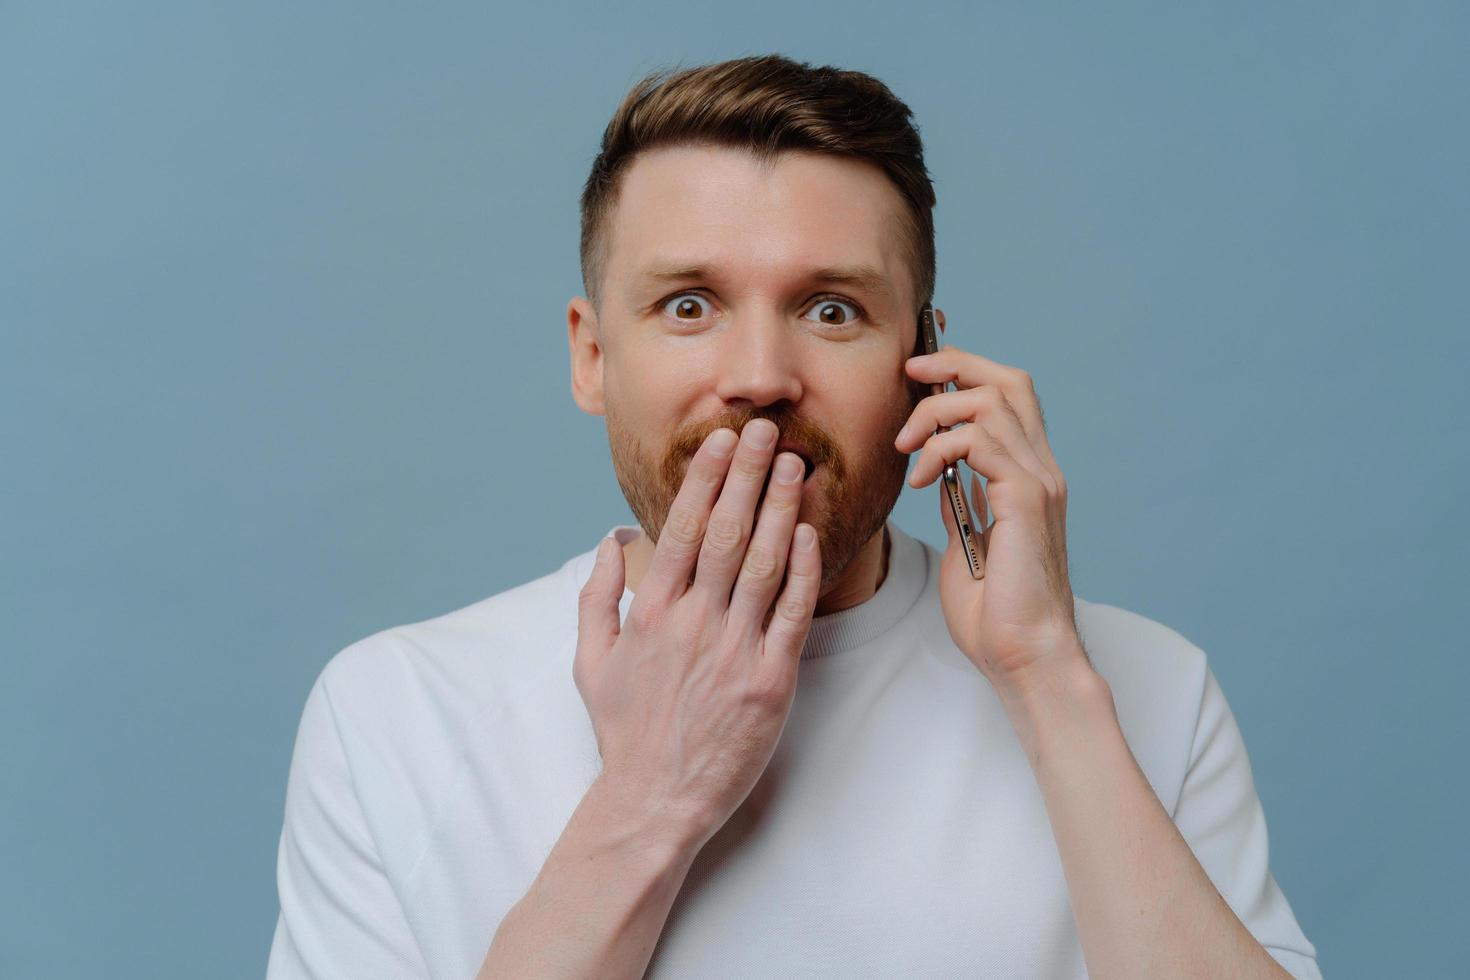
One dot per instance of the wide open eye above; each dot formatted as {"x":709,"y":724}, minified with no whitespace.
{"x":680,"y":306}
{"x":831,"y":306}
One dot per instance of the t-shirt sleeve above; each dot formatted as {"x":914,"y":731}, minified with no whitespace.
{"x":1220,"y":816}
{"x":339,"y":915}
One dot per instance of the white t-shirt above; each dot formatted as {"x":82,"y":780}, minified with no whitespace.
{"x":901,"y":831}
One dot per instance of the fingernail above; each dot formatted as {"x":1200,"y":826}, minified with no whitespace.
{"x":722,"y":442}
{"x":788,"y":468}
{"x":805,"y":536}
{"x":761,"y":433}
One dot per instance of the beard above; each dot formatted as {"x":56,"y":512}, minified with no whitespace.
{"x":847,"y":499}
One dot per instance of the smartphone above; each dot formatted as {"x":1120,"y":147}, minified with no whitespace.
{"x":951,"y":487}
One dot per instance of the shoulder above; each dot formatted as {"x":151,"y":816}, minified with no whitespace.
{"x":1127,"y":645}
{"x":454,"y":664}
{"x":408,"y":696}
{"x":398,"y":715}
{"x":1158,"y":679}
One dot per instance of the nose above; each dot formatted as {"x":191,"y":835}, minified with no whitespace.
{"x":758,"y":362}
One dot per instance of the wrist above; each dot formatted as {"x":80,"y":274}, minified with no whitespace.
{"x":649,"y":816}
{"x":1057,"y":704}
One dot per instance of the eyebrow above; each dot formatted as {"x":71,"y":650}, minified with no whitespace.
{"x":862,"y":276}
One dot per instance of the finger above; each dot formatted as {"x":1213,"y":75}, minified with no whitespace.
{"x":730,"y":523}
{"x":597,"y":606}
{"x":683,"y":531}
{"x":988,"y":407}
{"x":792,"y":619}
{"x":970,"y":370}
{"x":972,"y":444}
{"x":980,"y":513}
{"x":765,"y":559}
{"x":923,"y":420}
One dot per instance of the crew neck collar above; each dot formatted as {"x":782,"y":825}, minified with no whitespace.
{"x":846,"y":629}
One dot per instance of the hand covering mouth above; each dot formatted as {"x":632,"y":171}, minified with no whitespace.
{"x":800,"y":450}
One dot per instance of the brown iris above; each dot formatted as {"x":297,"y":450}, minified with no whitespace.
{"x":833,"y":306}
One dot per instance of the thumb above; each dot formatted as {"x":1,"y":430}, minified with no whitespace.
{"x":980,"y":514}
{"x":597,"y":606}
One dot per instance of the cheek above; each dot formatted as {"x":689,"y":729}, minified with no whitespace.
{"x":649,"y":397}
{"x":866,"y":431}
{"x":888,"y":414}
{"x":652,"y":414}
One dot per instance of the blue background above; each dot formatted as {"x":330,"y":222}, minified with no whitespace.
{"x":283,"y":293}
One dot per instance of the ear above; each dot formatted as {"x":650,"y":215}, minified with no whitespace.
{"x":585,"y":346}
{"x":939,"y":315}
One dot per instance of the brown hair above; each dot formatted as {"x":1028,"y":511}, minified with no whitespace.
{"x":764,"y":104}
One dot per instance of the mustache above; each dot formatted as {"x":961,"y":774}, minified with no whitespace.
{"x":790,"y":425}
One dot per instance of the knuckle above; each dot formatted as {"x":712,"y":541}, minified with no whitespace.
{"x":641,"y":621}
{"x":782,"y":500}
{"x":725,"y":533}
{"x":683,"y":528}
{"x":761,"y":562}
{"x":750,"y":467}
{"x":768,"y":698}
{"x":705,"y":469}
{"x":791,"y":608}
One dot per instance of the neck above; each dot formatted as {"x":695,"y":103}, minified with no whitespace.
{"x":858,"y":583}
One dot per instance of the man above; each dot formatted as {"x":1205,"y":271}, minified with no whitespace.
{"x":614,"y":770}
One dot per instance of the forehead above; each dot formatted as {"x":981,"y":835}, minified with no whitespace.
{"x":718,"y":208}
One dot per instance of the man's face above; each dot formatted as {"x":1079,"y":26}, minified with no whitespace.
{"x":755,"y":332}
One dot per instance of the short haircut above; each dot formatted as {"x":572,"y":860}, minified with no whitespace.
{"x":764,"y":104}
